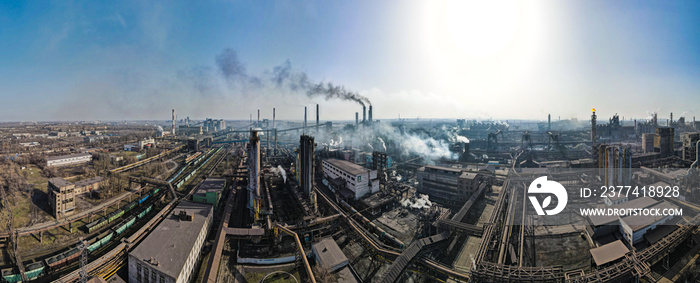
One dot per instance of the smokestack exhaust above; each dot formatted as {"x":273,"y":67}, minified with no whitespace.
{"x":370,"y":114}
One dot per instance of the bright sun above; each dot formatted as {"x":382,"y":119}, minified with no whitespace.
{"x":466,"y":38}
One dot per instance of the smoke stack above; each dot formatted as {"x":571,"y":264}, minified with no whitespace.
{"x":173,"y":130}
{"x":273,"y":118}
{"x":357,"y":119}
{"x":670,"y":122}
{"x":317,"y":120}
{"x":549,"y":122}
{"x":364,"y":114}
{"x":593,"y":126}
{"x":258,"y":118}
{"x":370,"y":114}
{"x":304,"y":118}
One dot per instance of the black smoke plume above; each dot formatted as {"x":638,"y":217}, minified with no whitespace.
{"x":283,"y":77}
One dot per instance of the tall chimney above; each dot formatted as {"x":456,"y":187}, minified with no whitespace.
{"x":670,"y":122}
{"x":258,"y":118}
{"x":357,"y":119}
{"x":173,"y":130}
{"x":273,"y":118}
{"x":304,"y":119}
{"x":317,"y":120}
{"x":593,"y":126}
{"x":364,"y":114}
{"x":370,"y":114}
{"x":549,"y":122}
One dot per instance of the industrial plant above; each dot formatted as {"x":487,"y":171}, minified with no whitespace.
{"x":361,"y":200}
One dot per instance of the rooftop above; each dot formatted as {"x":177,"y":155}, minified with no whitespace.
{"x":638,"y":222}
{"x":171,"y":241}
{"x":211,"y":185}
{"x":609,"y":252}
{"x":598,"y":220}
{"x":52,"y":158}
{"x":59,"y":182}
{"x":328,"y":253}
{"x":88,"y":182}
{"x":347,"y":166}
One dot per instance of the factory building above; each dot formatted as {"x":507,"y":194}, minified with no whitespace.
{"x":88,"y":185}
{"x":448,"y":186}
{"x":209,"y":191}
{"x":647,"y":143}
{"x":61,"y":197}
{"x":663,"y":141}
{"x":170,"y":252}
{"x":349,"y":179}
{"x":62,"y":194}
{"x":632,"y":227}
{"x":213,"y":125}
{"x":71,"y":159}
{"x":690,"y":141}
{"x":189,"y":130}
{"x":137,"y":146}
{"x":306,"y":163}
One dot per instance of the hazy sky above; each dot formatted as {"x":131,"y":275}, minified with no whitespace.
{"x":84,"y":60}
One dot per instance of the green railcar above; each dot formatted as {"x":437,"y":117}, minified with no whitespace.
{"x":11,"y":275}
{"x":96,"y":225}
{"x":130,"y":205}
{"x":114,"y":215}
{"x":145,"y":211}
{"x":126,"y":224}
{"x":34,"y":270}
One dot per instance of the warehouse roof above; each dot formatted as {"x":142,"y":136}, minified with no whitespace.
{"x":172,"y":240}
{"x":347,"y":166}
{"x":52,"y":158}
{"x":609,"y":252}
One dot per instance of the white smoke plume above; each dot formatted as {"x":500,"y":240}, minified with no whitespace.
{"x":282,"y":173}
{"x":383,"y":143}
{"x":462,"y":139}
{"x":420,"y":202}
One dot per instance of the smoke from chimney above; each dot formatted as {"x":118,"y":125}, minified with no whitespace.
{"x":283,"y":77}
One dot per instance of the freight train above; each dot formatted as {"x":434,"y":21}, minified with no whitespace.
{"x":37,"y":269}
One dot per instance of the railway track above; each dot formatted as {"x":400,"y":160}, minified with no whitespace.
{"x":110,"y":263}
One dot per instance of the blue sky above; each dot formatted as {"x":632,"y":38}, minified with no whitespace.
{"x":90,"y":60}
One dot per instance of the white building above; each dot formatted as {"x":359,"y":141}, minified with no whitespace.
{"x":68,"y":159}
{"x":350,"y":176}
{"x":634,"y":227}
{"x":169,"y":254}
